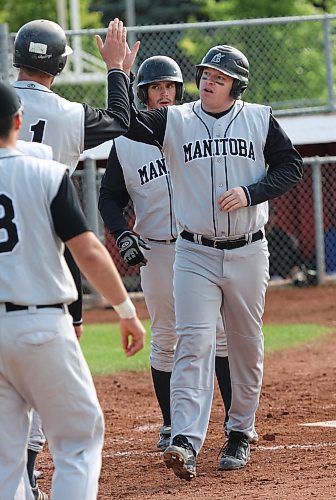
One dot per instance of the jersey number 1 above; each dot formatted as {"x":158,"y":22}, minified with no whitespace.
{"x":38,"y":130}
{"x":7,"y":225}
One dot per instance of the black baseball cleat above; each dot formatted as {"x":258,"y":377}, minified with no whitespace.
{"x":235,"y":453}
{"x":181,"y":457}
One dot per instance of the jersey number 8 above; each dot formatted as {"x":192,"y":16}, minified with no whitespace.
{"x":8,"y":231}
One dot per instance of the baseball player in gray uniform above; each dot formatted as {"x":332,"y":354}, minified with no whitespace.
{"x":41,"y":363}
{"x":227,"y":158}
{"x":40,"y":53}
{"x":139,"y":172}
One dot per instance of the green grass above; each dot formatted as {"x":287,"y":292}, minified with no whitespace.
{"x":285,"y":336}
{"x":102,"y":347}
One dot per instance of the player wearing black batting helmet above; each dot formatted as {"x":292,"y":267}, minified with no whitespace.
{"x":41,"y":44}
{"x":139,"y":172}
{"x":229,"y":61}
{"x":225,"y":157}
{"x":158,"y":69}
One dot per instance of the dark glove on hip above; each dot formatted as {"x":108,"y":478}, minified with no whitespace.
{"x":129,"y":245}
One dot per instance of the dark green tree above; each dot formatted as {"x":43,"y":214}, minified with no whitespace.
{"x":18,"y":12}
{"x":149,"y":12}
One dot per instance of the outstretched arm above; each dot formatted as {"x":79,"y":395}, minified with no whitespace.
{"x":102,"y":125}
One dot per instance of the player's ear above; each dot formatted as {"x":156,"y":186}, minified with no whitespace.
{"x":17,"y":121}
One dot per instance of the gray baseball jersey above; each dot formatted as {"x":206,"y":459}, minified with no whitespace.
{"x":208,"y":151}
{"x":147,"y":180}
{"x":19,"y":246}
{"x":50,"y":119}
{"x":70,"y":127}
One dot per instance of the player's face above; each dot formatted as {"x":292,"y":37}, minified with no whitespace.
{"x":161,"y":94}
{"x":214,"y":89}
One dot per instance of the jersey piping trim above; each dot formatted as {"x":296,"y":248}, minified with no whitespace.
{"x":212,"y":170}
{"x":47,"y":91}
{"x":225,"y":162}
{"x":247,"y":194}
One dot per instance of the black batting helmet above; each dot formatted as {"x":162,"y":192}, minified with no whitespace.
{"x":230,"y":61}
{"x":158,"y":69}
{"x":41,"y":45}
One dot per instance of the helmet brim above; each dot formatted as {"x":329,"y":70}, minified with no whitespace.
{"x":161,"y":79}
{"x":68,"y":51}
{"x":220,"y":69}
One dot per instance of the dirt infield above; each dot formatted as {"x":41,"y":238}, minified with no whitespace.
{"x":290,"y":461}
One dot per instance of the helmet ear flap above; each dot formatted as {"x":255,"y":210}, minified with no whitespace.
{"x":238,"y":88}
{"x":198,"y":76}
{"x":142,"y":93}
{"x":62,"y":64}
{"x":179,"y":91}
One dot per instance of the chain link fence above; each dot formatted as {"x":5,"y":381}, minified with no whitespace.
{"x":291,"y":59}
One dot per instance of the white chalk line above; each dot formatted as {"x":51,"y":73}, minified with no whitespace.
{"x":132,"y":453}
{"x":120,"y":454}
{"x":327,"y":423}
{"x":151,"y":427}
{"x":295,"y":446}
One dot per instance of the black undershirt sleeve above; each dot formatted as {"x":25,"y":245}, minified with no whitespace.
{"x":68,"y":217}
{"x":76,"y":308}
{"x":113,"y":196}
{"x":102,"y":125}
{"x":284,"y":166}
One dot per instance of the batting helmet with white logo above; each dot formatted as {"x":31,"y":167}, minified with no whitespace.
{"x":41,"y":45}
{"x":159,"y":69}
{"x":229,"y":61}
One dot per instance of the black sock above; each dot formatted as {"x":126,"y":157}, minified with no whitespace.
{"x":161,"y":382}
{"x":224,"y":382}
{"x":31,"y":466}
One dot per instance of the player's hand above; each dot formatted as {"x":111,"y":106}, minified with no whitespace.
{"x":233,"y":199}
{"x":130,"y":57}
{"x":129,"y":245}
{"x":132,"y":335}
{"x":113,"y":50}
{"x":79,"y":330}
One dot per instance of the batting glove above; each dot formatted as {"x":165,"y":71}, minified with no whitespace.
{"x":129,"y":245}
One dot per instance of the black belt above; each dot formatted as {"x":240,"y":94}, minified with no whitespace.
{"x":162,"y":241}
{"x":223,"y":245}
{"x":10,"y":307}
